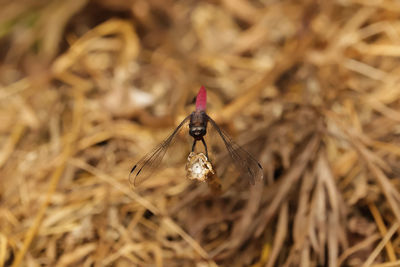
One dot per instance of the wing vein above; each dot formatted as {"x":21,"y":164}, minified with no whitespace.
{"x":247,"y":164}
{"x":147,"y":165}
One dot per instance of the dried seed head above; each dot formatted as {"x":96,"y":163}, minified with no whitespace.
{"x":198,"y":167}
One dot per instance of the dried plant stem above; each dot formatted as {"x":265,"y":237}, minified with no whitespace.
{"x":391,"y":193}
{"x":280,"y":235}
{"x":381,"y":244}
{"x":8,"y":148}
{"x":14,"y":88}
{"x":382,"y":228}
{"x":145,"y":203}
{"x":3,"y":249}
{"x":387,"y":264}
{"x":359,"y":246}
{"x":40,"y":215}
{"x":289,"y":180}
{"x":33,"y":230}
{"x":290,"y":55}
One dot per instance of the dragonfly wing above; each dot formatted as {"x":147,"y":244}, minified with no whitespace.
{"x":143,"y":170}
{"x":243,"y":160}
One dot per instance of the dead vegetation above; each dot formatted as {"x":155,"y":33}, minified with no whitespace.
{"x":311,"y":89}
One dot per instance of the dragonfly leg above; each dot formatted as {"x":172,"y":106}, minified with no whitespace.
{"x":205,"y":146}
{"x":194,"y":144}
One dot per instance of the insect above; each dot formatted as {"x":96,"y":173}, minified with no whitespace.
{"x":198,"y":121}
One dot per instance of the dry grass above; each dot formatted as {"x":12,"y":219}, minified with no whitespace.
{"x":86,"y":88}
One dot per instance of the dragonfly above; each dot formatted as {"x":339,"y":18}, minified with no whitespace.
{"x":198,"y":122}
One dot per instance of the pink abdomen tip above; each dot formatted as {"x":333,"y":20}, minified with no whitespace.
{"x":201,"y":99}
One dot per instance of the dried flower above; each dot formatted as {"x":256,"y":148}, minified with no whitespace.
{"x":198,"y":167}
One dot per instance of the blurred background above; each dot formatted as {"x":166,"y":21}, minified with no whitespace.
{"x":310,"y":88}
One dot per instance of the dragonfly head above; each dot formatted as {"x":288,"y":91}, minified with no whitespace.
{"x":197,"y":132}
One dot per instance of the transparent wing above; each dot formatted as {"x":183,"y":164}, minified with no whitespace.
{"x":244,"y":162}
{"x":143,"y":170}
